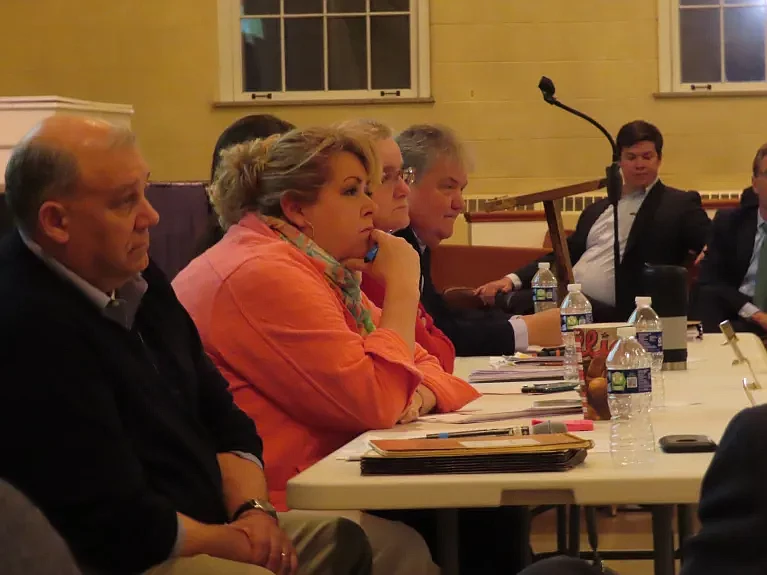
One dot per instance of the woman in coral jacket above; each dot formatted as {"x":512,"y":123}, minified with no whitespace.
{"x":279,"y":307}
{"x":391,"y":215}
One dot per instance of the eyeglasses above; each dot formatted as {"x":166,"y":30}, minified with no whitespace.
{"x":407,"y":175}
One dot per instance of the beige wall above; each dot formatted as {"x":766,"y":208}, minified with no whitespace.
{"x":487,"y":56}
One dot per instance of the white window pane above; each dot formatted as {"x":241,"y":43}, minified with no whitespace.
{"x":303,"y":6}
{"x":699,"y":51}
{"x":750,"y":2}
{"x":699,"y":2}
{"x":259,"y":7}
{"x":389,"y":5}
{"x":390,"y":52}
{"x":341,"y":6}
{"x":304,"y":60}
{"x":261,"y":65}
{"x":347,"y":53}
{"x":744,"y":44}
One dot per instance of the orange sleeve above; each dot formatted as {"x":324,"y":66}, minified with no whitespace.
{"x":287,"y":335}
{"x":451,"y":392}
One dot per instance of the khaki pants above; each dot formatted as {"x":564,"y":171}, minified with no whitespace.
{"x":325,"y":546}
{"x":398,"y":549}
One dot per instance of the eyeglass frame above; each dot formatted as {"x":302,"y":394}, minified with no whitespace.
{"x":407,"y":175}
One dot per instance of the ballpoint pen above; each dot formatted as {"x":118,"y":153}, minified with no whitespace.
{"x":516,"y":430}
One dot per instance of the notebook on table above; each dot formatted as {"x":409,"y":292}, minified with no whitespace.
{"x":492,"y":454}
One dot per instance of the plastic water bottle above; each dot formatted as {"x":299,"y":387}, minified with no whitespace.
{"x":649,"y":333}
{"x":575,"y":311}
{"x":544,"y":288}
{"x":629,"y":388}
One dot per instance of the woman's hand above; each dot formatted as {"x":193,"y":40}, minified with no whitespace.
{"x":397,"y":264}
{"x":424,"y":401}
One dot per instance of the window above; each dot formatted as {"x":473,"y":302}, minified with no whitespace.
{"x":712,"y":45}
{"x":282,"y":50}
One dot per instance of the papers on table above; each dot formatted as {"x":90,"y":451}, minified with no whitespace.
{"x":480,"y":416}
{"x":523,"y":369}
{"x":506,"y":388}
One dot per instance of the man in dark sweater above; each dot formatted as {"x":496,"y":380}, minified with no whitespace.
{"x":112,"y":418}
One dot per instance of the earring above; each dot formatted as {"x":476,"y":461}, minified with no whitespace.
{"x":311,"y":234}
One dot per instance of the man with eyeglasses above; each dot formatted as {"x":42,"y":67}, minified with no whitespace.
{"x":733,"y":276}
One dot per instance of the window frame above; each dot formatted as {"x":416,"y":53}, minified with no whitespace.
{"x":231,"y":78}
{"x":669,"y":59}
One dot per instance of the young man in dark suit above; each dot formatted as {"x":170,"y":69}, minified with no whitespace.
{"x":733,"y":275}
{"x":113,"y":420}
{"x":657,"y":225}
{"x":436,"y":199}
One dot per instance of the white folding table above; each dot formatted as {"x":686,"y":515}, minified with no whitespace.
{"x":701,"y":400}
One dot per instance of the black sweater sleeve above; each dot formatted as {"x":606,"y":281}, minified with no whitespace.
{"x":231,"y":428}
{"x":61,"y":438}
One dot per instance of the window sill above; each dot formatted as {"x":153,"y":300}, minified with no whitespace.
{"x":339,"y":102}
{"x":712,"y":94}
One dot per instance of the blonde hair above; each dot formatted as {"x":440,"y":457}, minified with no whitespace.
{"x":373,"y":129}
{"x":255,"y":175}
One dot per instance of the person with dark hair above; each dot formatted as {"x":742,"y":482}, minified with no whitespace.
{"x":253,"y":127}
{"x":113,"y":420}
{"x":733,"y":275}
{"x":657,"y":225}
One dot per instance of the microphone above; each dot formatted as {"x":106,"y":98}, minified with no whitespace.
{"x":546,"y":86}
{"x":613,"y":172}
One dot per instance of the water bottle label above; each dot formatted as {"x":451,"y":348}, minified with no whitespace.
{"x":542,"y":295}
{"x":569,"y":321}
{"x":652,"y":341}
{"x":629,"y":380}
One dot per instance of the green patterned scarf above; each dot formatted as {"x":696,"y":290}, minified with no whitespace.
{"x":339,"y":277}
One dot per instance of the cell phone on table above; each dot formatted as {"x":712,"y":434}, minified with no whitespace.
{"x":551,"y":387}
{"x":687,"y":444}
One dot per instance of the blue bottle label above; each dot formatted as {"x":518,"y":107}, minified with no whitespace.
{"x":570,"y":321}
{"x":652,"y":341}
{"x":541,"y":294}
{"x":629,"y":380}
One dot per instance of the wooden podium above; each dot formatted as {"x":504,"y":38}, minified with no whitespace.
{"x":563,"y":267}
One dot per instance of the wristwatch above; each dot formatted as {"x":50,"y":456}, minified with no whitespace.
{"x":259,"y":504}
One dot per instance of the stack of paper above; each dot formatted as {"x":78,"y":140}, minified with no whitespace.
{"x":520,"y":371}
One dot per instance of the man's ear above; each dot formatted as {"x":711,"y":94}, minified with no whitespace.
{"x":294,"y":210}
{"x":53,"y":221}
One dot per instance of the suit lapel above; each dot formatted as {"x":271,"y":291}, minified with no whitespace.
{"x":645,"y":216}
{"x":424,"y":257}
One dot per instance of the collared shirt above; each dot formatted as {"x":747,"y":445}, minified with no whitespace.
{"x":121,"y":307}
{"x":595,"y":270}
{"x":748,"y":287}
{"x":521,"y":337}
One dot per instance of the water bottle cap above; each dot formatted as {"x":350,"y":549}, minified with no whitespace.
{"x":544,"y":265}
{"x":643,"y":300}
{"x":627,"y":331}
{"x":573,"y":288}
